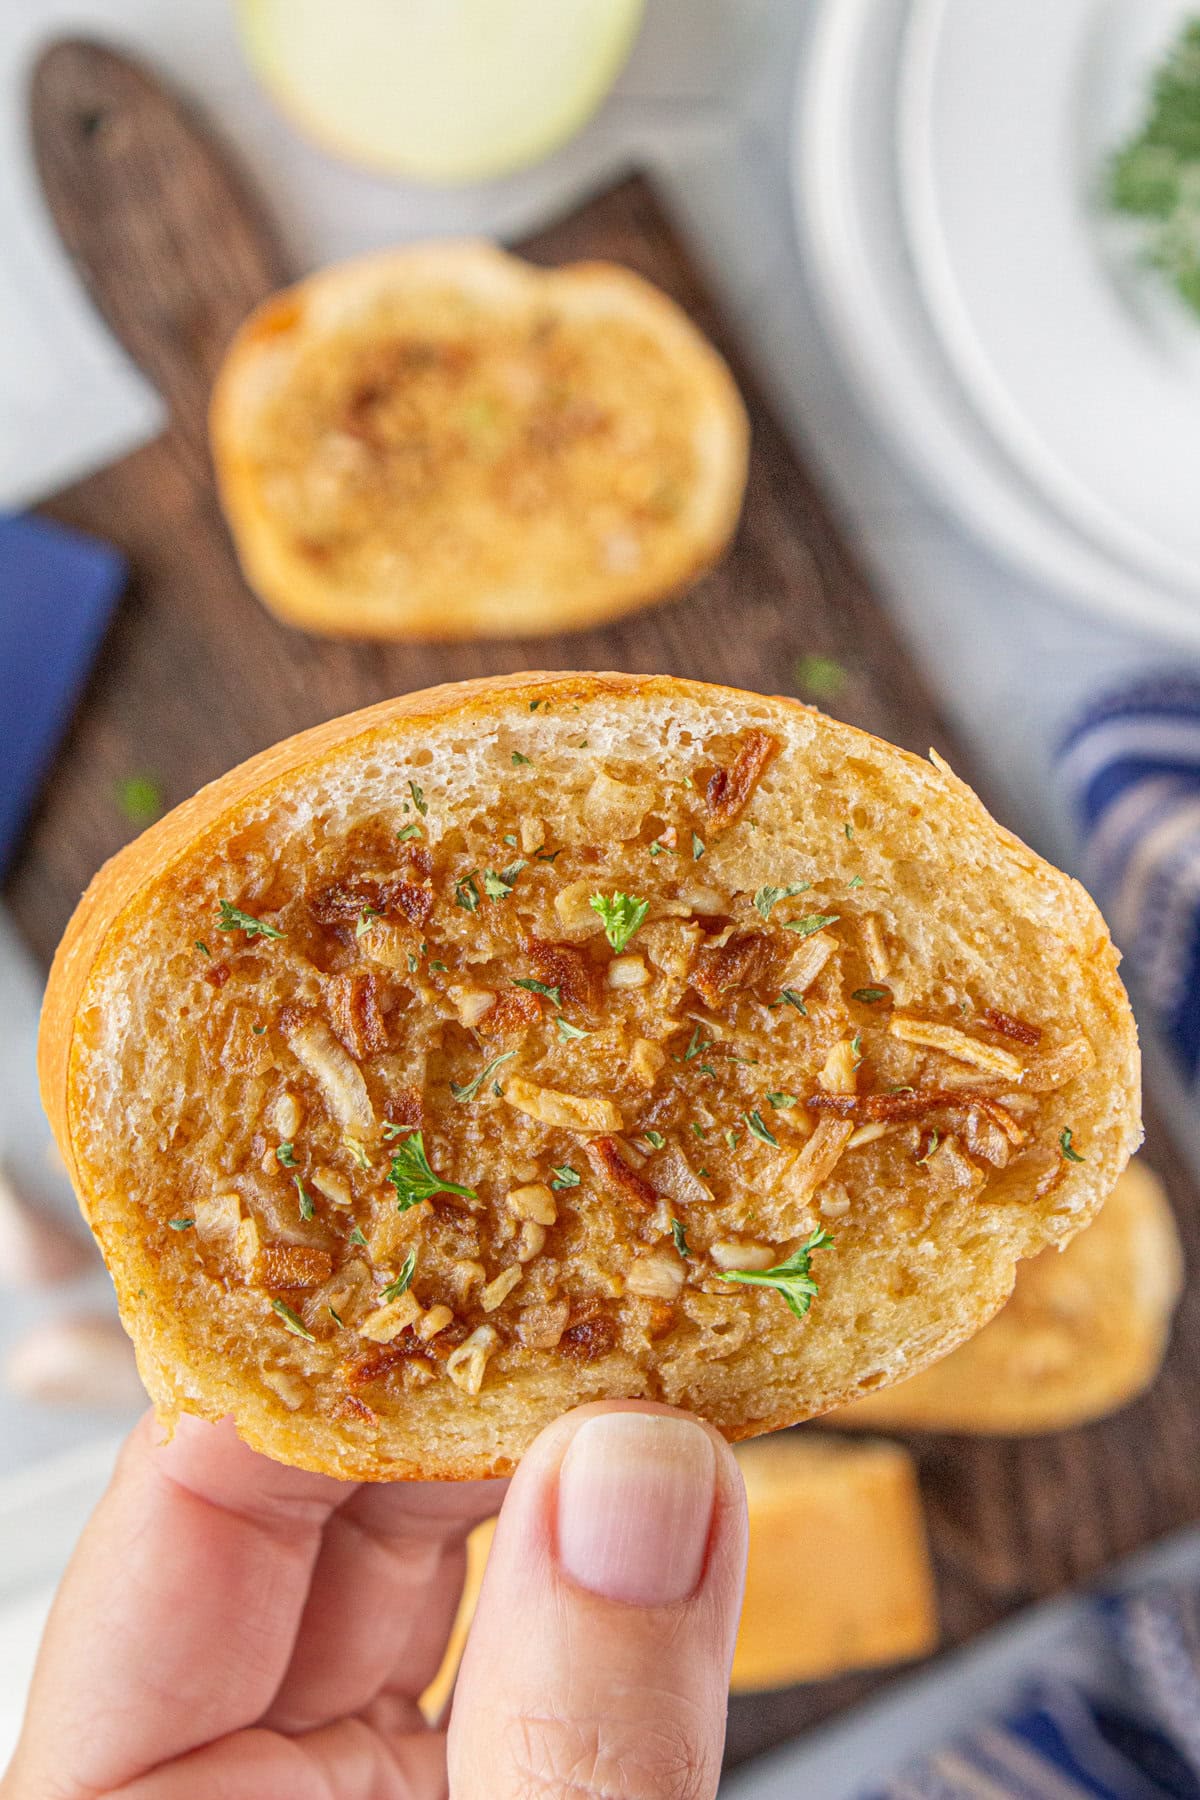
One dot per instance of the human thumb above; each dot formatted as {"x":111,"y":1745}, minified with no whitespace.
{"x":598,"y":1661}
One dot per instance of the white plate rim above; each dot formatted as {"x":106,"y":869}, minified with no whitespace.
{"x":958,"y":466}
{"x":1004,"y":416}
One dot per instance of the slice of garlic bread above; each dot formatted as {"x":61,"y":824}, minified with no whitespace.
{"x":1083,"y":1334}
{"x":553,"y":1037}
{"x":445,"y":441}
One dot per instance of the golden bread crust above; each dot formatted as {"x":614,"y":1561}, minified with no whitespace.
{"x":444,"y":441}
{"x":175,"y":1076}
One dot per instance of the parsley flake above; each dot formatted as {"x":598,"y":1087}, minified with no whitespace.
{"x":140,"y":799}
{"x":466,"y":894}
{"x":295,"y":1324}
{"x":792,"y":998}
{"x":849,"y":830}
{"x":534,"y":704}
{"x":366,"y":919}
{"x":1064,"y":1143}
{"x":518,"y":760}
{"x":553,"y":994}
{"x":472,"y":1087}
{"x":935,"y":1138}
{"x":781,"y":1102}
{"x":565,"y":1177}
{"x":755,"y":1121}
{"x":855,"y":881}
{"x":870,"y":996}
{"x":810,"y":923}
{"x":731,"y":1138}
{"x":792,"y":1279}
{"x":202,"y":947}
{"x":698,"y":848}
{"x":233,"y":919}
{"x":621,"y":916}
{"x":412,"y":963}
{"x":394,"y":1289}
{"x":418,"y":795}
{"x":336,"y":1316}
{"x":181,"y":1224}
{"x":357,"y":1150}
{"x":700,"y":1131}
{"x":286,"y":1154}
{"x":767,"y":897}
{"x":679,"y":1233}
{"x":510,"y":838}
{"x":306,"y":1205}
{"x":655,"y":1139}
{"x":696,"y":1045}
{"x":569,"y":1033}
{"x":500,"y":886}
{"x":414,"y":1180}
{"x":820,"y":677}
{"x":356,"y":1237}
{"x":408,"y":831}
{"x":706,"y":1068}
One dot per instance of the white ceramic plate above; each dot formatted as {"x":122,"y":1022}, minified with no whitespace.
{"x":1092,"y":394}
{"x":851,"y":227}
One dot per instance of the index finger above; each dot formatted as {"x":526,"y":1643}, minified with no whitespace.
{"x":176,"y":1618}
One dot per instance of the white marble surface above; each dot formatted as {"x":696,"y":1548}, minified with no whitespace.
{"x":706,"y":102}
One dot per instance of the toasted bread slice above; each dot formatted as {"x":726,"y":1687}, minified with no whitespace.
{"x":445,"y":441}
{"x":838,"y":1577}
{"x":486,"y":1052}
{"x":1083,"y":1334}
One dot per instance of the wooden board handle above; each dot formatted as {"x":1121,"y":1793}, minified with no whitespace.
{"x":173,"y":249}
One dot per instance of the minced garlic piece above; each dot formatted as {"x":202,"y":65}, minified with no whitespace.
{"x":435,"y":1320}
{"x":536,"y":1201}
{"x":496,"y":1292}
{"x":819,"y":1157}
{"x":730,"y":1254}
{"x":627,"y":972}
{"x":388,"y":1321}
{"x":656,"y":1276}
{"x":531,"y":1242}
{"x":466,"y":1365}
{"x":878,"y":960}
{"x":839,"y":1076}
{"x":333,"y":1186}
{"x":286,"y":1116}
{"x":533,"y":835}
{"x":958,"y":1044}
{"x":646,"y":1061}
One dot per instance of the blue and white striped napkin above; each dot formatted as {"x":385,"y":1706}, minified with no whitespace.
{"x":1059,"y":1744}
{"x":1131,"y":768}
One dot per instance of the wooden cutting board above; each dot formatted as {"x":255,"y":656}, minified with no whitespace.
{"x":195,"y":676}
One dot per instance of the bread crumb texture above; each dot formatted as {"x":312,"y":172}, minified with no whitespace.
{"x":553,"y":1038}
{"x":1083,"y":1333}
{"x":445,"y":441}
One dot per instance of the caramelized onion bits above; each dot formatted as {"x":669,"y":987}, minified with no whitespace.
{"x":606,"y":1155}
{"x":820,"y":1155}
{"x":729,"y":790}
{"x":1006,"y":1026}
{"x":354,"y":1012}
{"x":591,"y":1333}
{"x":514,"y":1011}
{"x":344,"y":903}
{"x":562,"y":966}
{"x":958,"y":1044}
{"x":726,"y":968}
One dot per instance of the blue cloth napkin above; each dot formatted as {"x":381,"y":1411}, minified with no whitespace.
{"x":1131,"y":765}
{"x":57,"y":592}
{"x":1059,"y":1744}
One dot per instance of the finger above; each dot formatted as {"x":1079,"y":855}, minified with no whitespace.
{"x":382,"y":1599}
{"x":599,"y":1659}
{"x":351,"y":1757}
{"x":175,"y":1621}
